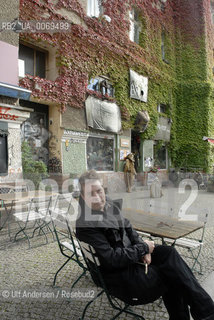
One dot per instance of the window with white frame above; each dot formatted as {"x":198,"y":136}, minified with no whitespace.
{"x":135,"y":28}
{"x":94,"y":8}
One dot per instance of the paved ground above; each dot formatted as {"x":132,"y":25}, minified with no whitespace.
{"x":27,"y":274}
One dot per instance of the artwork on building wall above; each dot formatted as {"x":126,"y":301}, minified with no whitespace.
{"x":103,"y":115}
{"x":124,"y":153}
{"x":138,"y":86}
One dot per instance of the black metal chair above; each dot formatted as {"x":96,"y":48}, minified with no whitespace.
{"x":68,"y":245}
{"x":93,"y":264}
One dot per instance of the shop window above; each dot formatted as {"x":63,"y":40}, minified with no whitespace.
{"x":34,"y":60}
{"x":100,"y":154}
{"x":134,"y":31}
{"x":102,"y":85}
{"x":3,"y":149}
{"x":160,"y":156}
{"x":94,"y":8}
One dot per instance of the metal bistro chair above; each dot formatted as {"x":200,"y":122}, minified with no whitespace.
{"x":93,"y":264}
{"x":68,"y":245}
{"x":32,"y":217}
{"x":6,"y":207}
{"x":192,"y":245}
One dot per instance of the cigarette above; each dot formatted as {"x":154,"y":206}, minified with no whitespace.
{"x":146,"y":268}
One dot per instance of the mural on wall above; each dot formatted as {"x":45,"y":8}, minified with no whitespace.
{"x":103,"y":115}
{"x":34,"y":131}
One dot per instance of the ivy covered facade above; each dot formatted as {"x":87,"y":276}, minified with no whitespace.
{"x":168,"y":42}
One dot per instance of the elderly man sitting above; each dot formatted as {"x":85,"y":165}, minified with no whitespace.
{"x":122,"y":254}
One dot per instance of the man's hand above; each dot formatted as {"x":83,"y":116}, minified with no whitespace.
{"x":151,"y":245}
{"x":147,"y":258}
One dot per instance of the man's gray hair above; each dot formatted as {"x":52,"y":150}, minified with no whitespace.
{"x":88,"y":175}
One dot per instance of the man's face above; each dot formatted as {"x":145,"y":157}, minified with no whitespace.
{"x":94,"y":195}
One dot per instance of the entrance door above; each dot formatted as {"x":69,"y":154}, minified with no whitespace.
{"x":136,"y":149}
{"x":35,"y":130}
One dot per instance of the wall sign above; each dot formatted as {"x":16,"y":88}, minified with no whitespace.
{"x":125,"y":143}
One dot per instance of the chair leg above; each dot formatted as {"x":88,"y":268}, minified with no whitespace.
{"x":125,"y":309}
{"x":195,"y":258}
{"x":137,"y":316}
{"x":75,"y":282}
{"x":54,"y":282}
{"x":88,"y":304}
{"x":22,"y":229}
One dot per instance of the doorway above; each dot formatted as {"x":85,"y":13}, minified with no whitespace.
{"x":135,"y":148}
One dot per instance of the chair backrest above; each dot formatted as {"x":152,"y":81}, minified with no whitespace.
{"x":42,"y":204}
{"x":93,"y":264}
{"x":118,"y":203}
{"x":63,"y":202}
{"x":89,"y":253}
{"x":63,"y":229}
{"x":204,"y":227}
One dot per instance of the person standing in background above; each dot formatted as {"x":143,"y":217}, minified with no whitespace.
{"x":129,"y":171}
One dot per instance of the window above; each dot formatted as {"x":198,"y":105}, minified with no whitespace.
{"x":94,"y":8}
{"x":100,"y":153}
{"x":135,"y":29}
{"x":163,"y":46}
{"x":3,"y":148}
{"x":160,"y":156}
{"x":102,"y":85}
{"x":34,"y":60}
{"x":162,"y":108}
{"x":212,"y":10}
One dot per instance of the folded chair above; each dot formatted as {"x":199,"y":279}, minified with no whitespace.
{"x":93,"y":264}
{"x":31,"y":217}
{"x":68,"y":245}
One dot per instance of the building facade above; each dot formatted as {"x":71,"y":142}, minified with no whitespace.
{"x":112,"y":78}
{"x":12,"y":115}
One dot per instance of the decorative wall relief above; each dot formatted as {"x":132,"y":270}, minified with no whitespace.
{"x":138,"y":86}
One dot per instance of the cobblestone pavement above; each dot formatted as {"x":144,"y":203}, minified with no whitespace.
{"x":25,"y":272}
